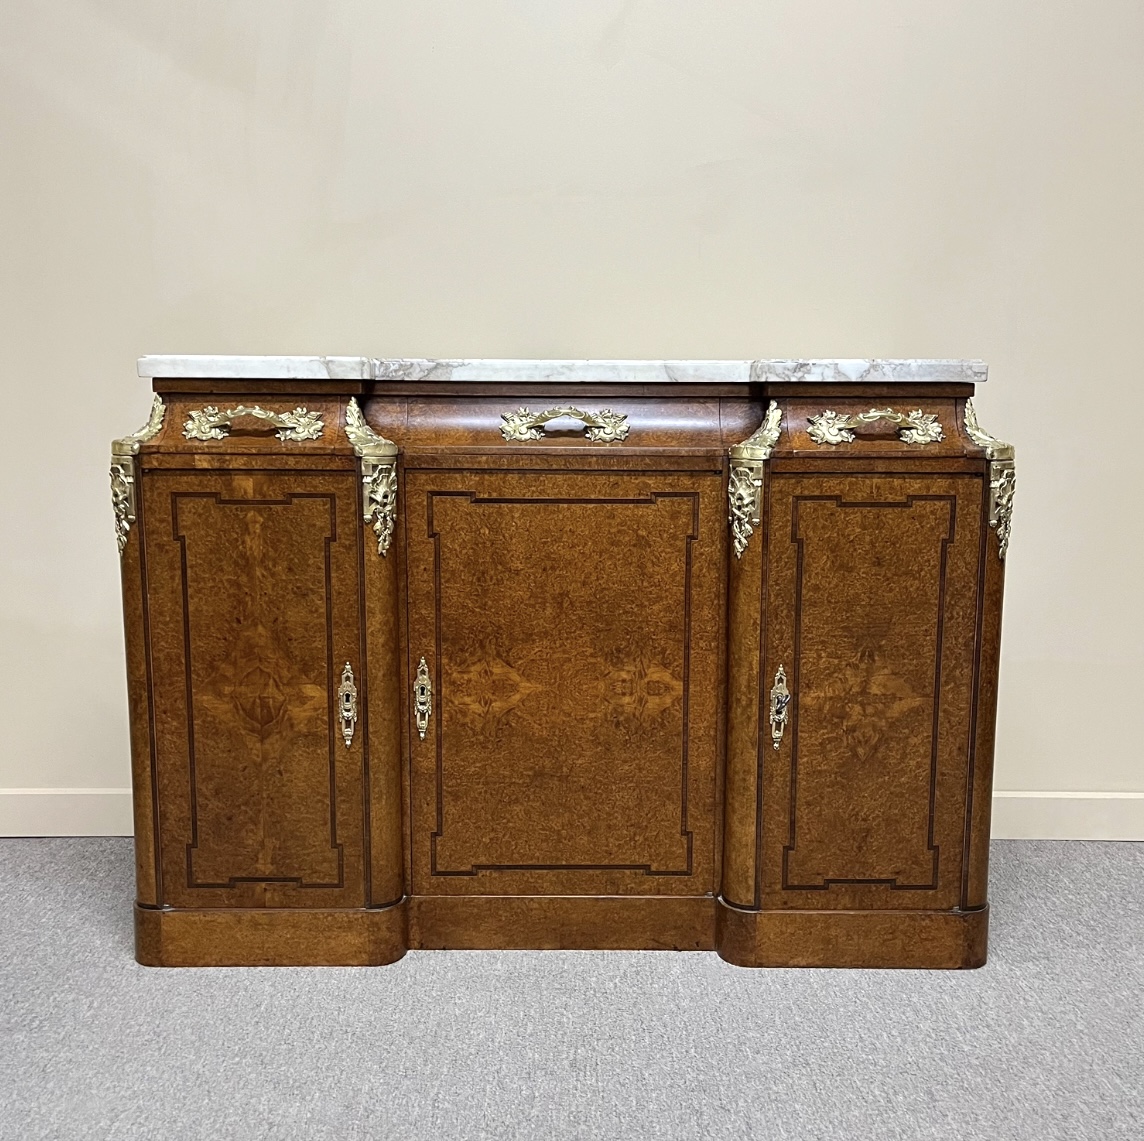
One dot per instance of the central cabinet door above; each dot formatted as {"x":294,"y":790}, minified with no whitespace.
{"x":570,"y":625}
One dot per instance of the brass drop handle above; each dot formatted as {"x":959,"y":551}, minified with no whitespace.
{"x":422,"y":699}
{"x":347,"y":704}
{"x":780,"y":707}
{"x":603,"y":427}
{"x":211,"y":423}
{"x":916,"y":427}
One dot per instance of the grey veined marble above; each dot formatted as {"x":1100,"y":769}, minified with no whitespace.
{"x":258,"y":368}
{"x":842,"y":371}
{"x":682,"y":372}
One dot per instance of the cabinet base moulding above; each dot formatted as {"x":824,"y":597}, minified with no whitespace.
{"x":562,"y":923}
{"x":272,"y":937}
{"x":949,"y":940}
{"x":285,"y":937}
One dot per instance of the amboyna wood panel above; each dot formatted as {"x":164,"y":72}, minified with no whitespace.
{"x":872,"y":613}
{"x":254,"y":610}
{"x":570,"y":623}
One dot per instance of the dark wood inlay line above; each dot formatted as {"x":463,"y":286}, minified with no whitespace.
{"x":148,"y":665}
{"x":179,"y":537}
{"x":971,"y":745}
{"x":797,"y":539}
{"x":649,"y":499}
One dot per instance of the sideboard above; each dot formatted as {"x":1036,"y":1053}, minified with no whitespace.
{"x":694,"y":655}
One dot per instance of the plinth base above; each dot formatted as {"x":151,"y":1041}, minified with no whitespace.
{"x":918,"y":939}
{"x":372,"y":937}
{"x":274,"y":937}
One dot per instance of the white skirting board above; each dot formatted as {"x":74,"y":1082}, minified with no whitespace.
{"x":1016,"y":815}
{"x":1068,"y":816}
{"x":65,"y":812}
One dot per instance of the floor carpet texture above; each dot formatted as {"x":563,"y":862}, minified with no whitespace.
{"x":1045,"y":1042}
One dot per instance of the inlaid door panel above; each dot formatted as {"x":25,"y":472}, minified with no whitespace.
{"x":871,"y":613}
{"x":254,"y":612}
{"x":570,"y":624}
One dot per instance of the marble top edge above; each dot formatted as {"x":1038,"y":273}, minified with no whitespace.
{"x":840,"y":371}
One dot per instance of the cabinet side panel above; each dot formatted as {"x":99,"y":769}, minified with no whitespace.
{"x":742,"y":788}
{"x":975,"y":888}
{"x":148,"y":883}
{"x":382,"y":650}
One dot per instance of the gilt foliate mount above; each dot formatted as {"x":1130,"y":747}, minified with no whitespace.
{"x":378,"y":475}
{"x":124,"y":472}
{"x":212,"y":423}
{"x":916,"y":427}
{"x":745,"y":486}
{"x":1002,"y":477}
{"x":602,"y":427}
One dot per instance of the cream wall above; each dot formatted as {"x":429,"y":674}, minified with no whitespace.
{"x":586,"y":178}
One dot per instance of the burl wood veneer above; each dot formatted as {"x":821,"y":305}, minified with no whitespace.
{"x":448,"y":654}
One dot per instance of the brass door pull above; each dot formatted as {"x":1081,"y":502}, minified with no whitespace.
{"x":211,"y":423}
{"x":780,"y":702}
{"x":347,"y":704}
{"x":603,"y":427}
{"x":422,"y":699}
{"x":917,"y":427}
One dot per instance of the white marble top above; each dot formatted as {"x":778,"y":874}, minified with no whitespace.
{"x":689,"y":372}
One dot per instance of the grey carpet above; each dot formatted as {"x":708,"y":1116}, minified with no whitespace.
{"x":1045,"y":1042}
